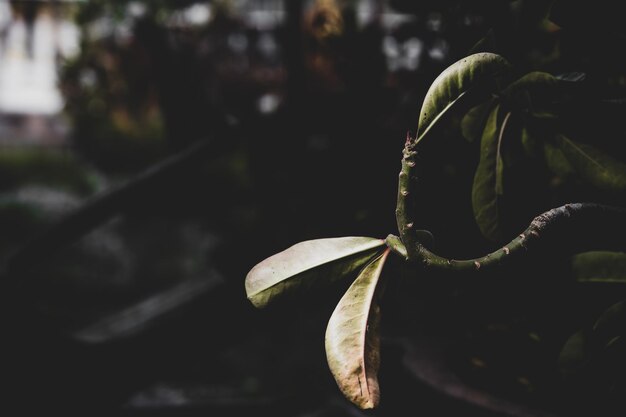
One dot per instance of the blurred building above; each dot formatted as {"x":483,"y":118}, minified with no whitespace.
{"x":34,"y":37}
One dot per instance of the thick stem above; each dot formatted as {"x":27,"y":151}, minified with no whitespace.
{"x":567,"y":226}
{"x":405,"y":204}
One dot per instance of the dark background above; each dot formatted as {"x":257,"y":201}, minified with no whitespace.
{"x":136,"y":305}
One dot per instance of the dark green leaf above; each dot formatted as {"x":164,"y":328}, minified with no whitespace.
{"x":353,"y":339}
{"x":594,"y":166}
{"x":473,"y":122}
{"x":532,"y":92}
{"x":488,"y":182}
{"x":556,"y":160}
{"x":307,"y":264}
{"x":483,"y":72}
{"x":609,"y":267}
{"x":530,"y":143}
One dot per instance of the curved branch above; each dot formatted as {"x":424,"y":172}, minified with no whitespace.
{"x":568,"y":226}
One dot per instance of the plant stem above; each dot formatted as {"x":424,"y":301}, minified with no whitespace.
{"x":586,"y":222}
{"x":407,"y":184}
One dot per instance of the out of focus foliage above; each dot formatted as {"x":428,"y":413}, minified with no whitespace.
{"x":307,"y":104}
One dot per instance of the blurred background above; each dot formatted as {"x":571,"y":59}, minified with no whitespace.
{"x":151,"y":152}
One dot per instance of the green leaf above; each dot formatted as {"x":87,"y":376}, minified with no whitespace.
{"x":353,"y":339}
{"x":599,"y":266}
{"x":556,"y":161}
{"x":306,"y":265}
{"x":530,"y":144}
{"x":533,"y":91}
{"x":594,"y":166}
{"x":479,"y":72}
{"x":488,"y":180}
{"x":538,"y":143}
{"x":473,"y":122}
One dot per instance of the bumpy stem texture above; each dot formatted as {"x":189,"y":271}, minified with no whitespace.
{"x":572,"y":227}
{"x":406,"y":200}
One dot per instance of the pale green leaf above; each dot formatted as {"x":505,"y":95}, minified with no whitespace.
{"x":600,"y":266}
{"x":308,"y":264}
{"x":353,"y":339}
{"x":594,"y":166}
{"x":482,"y":72}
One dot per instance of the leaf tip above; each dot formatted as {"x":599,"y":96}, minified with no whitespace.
{"x":369,"y":404}
{"x":256,"y":302}
{"x":251,"y":291}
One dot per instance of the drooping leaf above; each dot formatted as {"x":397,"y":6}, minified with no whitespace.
{"x":353,"y":339}
{"x":487,"y":185}
{"x":483,"y":72}
{"x":308,"y":264}
{"x":594,"y":166}
{"x":473,"y":122}
{"x":600,"y":266}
